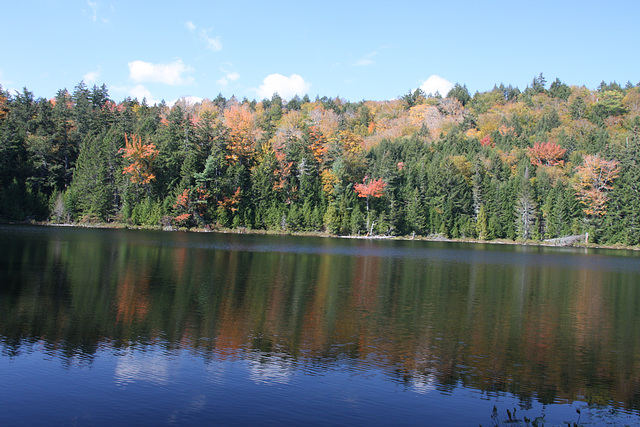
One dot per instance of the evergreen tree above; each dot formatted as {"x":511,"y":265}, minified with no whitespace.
{"x":94,"y":192}
{"x":461,"y":93}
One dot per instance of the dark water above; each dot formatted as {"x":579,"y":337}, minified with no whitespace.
{"x":111,"y":327}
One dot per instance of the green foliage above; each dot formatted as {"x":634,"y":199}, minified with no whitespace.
{"x":609,"y":104}
{"x":60,"y":160}
{"x":578,"y":108}
{"x":414,"y":98}
{"x":331,"y":219}
{"x":461,"y":93}
{"x":93,"y":191}
{"x":148,"y":212}
{"x":559,"y":90}
{"x":538,"y":84}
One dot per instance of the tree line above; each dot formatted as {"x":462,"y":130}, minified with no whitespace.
{"x":545,"y":162}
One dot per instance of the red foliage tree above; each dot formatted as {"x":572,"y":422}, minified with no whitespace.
{"x":183,"y":204}
{"x":487,"y":141}
{"x":375,"y":188}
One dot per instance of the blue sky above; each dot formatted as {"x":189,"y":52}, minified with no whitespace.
{"x":358,"y":50}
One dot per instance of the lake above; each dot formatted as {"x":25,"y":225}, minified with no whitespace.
{"x":111,"y":327}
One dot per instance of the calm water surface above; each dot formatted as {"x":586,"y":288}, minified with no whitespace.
{"x":109,"y":327}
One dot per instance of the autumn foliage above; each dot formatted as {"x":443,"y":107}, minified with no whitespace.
{"x":487,"y":141}
{"x":593,"y":180}
{"x":141,"y":157}
{"x":242,"y":132}
{"x":231,"y":202}
{"x":183,"y":204}
{"x":441,"y":167}
{"x":546,"y":154}
{"x":318,"y":144}
{"x":375,"y":188}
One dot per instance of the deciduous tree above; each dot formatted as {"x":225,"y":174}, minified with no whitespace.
{"x":374,"y":188}
{"x":242,"y":132}
{"x":141,"y":157}
{"x":546,"y":154}
{"x":593,"y":179}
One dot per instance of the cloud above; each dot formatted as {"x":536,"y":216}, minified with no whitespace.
{"x":140,"y":92}
{"x":286,"y":87}
{"x":436,"y":84}
{"x":4,"y":82}
{"x":94,"y":9}
{"x":169,"y":74}
{"x":186,"y":101}
{"x":229,"y":77}
{"x":366,"y":60}
{"x":91,"y":77}
{"x":132,"y":368}
{"x":94,"y":6}
{"x":212,"y":43}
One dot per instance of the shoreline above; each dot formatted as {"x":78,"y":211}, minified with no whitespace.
{"x":435,"y":238}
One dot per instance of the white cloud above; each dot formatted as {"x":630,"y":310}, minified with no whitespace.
{"x":140,"y":92}
{"x":94,"y":9}
{"x":93,"y":12}
{"x":286,"y":87}
{"x":91,"y":77}
{"x":170,"y":74}
{"x":213,"y":43}
{"x":134,"y":367}
{"x":273,"y":370}
{"x":366,"y":60}
{"x":4,"y":82}
{"x":229,"y":77}
{"x":186,"y":101}
{"x":436,"y":84}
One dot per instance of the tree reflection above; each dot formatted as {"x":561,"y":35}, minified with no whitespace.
{"x":544,"y":332}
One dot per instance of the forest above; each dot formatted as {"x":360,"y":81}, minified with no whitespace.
{"x":548,"y":161}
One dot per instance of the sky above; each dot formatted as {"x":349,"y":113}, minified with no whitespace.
{"x":356,"y":50}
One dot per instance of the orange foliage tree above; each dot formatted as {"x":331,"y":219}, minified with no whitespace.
{"x":231,"y":202}
{"x":242,"y":132}
{"x":183,"y":204}
{"x":318,"y":144}
{"x":593,"y":179}
{"x":141,"y":157}
{"x":4,"y":110}
{"x":546,"y":154}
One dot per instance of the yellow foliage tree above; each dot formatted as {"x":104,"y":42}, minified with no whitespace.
{"x":592,"y":181}
{"x":329,"y":180}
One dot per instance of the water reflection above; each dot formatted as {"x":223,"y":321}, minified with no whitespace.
{"x":548,"y":325}
{"x":270,"y":368}
{"x":152,"y":368}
